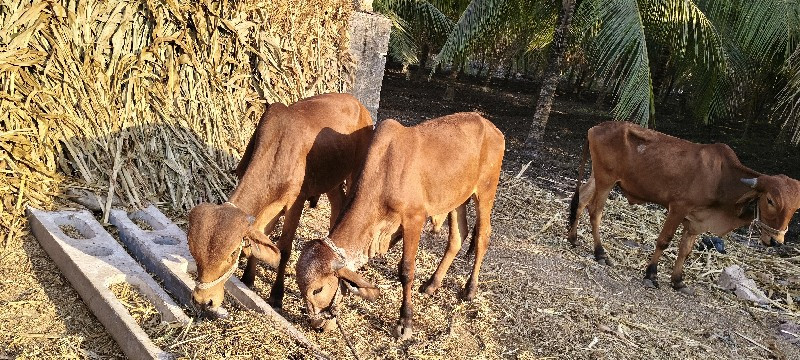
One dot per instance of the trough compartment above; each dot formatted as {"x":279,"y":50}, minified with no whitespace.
{"x":92,"y":260}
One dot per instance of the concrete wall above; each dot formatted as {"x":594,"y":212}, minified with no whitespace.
{"x":369,"y":42}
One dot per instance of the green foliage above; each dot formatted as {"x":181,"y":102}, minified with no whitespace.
{"x":734,"y":60}
{"x":415,"y":22}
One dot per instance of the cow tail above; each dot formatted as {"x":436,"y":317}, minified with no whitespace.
{"x":573,"y":206}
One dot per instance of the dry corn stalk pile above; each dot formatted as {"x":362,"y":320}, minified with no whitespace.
{"x":150,"y":100}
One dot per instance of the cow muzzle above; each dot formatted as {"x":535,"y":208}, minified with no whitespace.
{"x":772,"y":242}
{"x":325,"y":319}
{"x":324,"y":324}
{"x":208,"y":307}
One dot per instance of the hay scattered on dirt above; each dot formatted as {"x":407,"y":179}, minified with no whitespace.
{"x":538,"y":297}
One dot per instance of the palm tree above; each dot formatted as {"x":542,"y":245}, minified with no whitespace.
{"x":731,"y":56}
{"x":552,"y":74}
{"x":418,"y":25}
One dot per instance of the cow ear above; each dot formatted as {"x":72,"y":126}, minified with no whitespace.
{"x":747,"y":197}
{"x":357,"y":284}
{"x":263,"y":248}
{"x":747,"y":202}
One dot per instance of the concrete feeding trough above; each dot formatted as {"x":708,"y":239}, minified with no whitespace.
{"x":162,"y":248}
{"x":93,"y":261}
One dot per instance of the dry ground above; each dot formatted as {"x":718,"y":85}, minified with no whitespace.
{"x":538,"y":298}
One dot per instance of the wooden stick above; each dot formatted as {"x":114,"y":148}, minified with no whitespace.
{"x":753,"y":342}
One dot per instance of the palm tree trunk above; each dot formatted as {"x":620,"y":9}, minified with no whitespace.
{"x":552,"y":73}
{"x":423,"y":61}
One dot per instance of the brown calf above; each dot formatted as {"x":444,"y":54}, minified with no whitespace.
{"x":431,"y":169}
{"x":296,"y":153}
{"x":704,"y":188}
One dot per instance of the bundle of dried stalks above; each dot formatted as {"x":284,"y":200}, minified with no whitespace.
{"x":152,"y":101}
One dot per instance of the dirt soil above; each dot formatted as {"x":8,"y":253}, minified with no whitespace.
{"x":538,"y":297}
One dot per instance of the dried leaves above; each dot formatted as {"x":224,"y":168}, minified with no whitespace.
{"x":150,"y":100}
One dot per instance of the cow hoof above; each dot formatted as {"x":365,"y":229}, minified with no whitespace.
{"x":649,"y":283}
{"x":573,"y":241}
{"x":403,"y":333}
{"x":429,"y":287}
{"x":275,"y":303}
{"x":468,"y":294}
{"x":605,"y":261}
{"x":683,"y":289}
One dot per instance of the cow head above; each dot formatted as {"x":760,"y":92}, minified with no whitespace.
{"x":216,"y":238}
{"x":778,"y":198}
{"x":321,"y":278}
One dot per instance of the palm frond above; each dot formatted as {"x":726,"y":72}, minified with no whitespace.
{"x":620,"y":48}
{"x":698,"y":47}
{"x":402,"y":47}
{"x":422,"y":12}
{"x":478,"y":16}
{"x":767,"y":28}
{"x":788,"y":105}
{"x":687,"y":30}
{"x":435,"y":18}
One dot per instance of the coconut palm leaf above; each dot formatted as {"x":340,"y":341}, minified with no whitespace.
{"x":620,"y":48}
{"x":788,"y":106}
{"x":410,"y":20}
{"x":768,"y":28}
{"x":423,"y":13}
{"x":479,"y":15}
{"x":402,"y":47}
{"x":616,"y":33}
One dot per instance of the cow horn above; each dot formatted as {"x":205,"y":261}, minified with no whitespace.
{"x":751,"y":182}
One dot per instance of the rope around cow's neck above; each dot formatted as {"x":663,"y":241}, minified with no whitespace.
{"x":763,"y":226}
{"x":250,"y":218}
{"x":207,"y":285}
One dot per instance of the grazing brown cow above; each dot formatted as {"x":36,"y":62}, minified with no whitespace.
{"x":296,"y":153}
{"x":432,"y":169}
{"x":704,"y":188}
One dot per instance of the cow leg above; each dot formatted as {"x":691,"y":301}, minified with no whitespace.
{"x":458,"y":232}
{"x":250,"y":272}
{"x":290,"y":222}
{"x":674,"y":218}
{"x":579,"y":202}
{"x":336,"y":198}
{"x":687,"y":243}
{"x":412,"y":230}
{"x":484,"y":202}
{"x":596,"y":206}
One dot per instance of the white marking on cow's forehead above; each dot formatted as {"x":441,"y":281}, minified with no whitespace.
{"x":641,"y":148}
